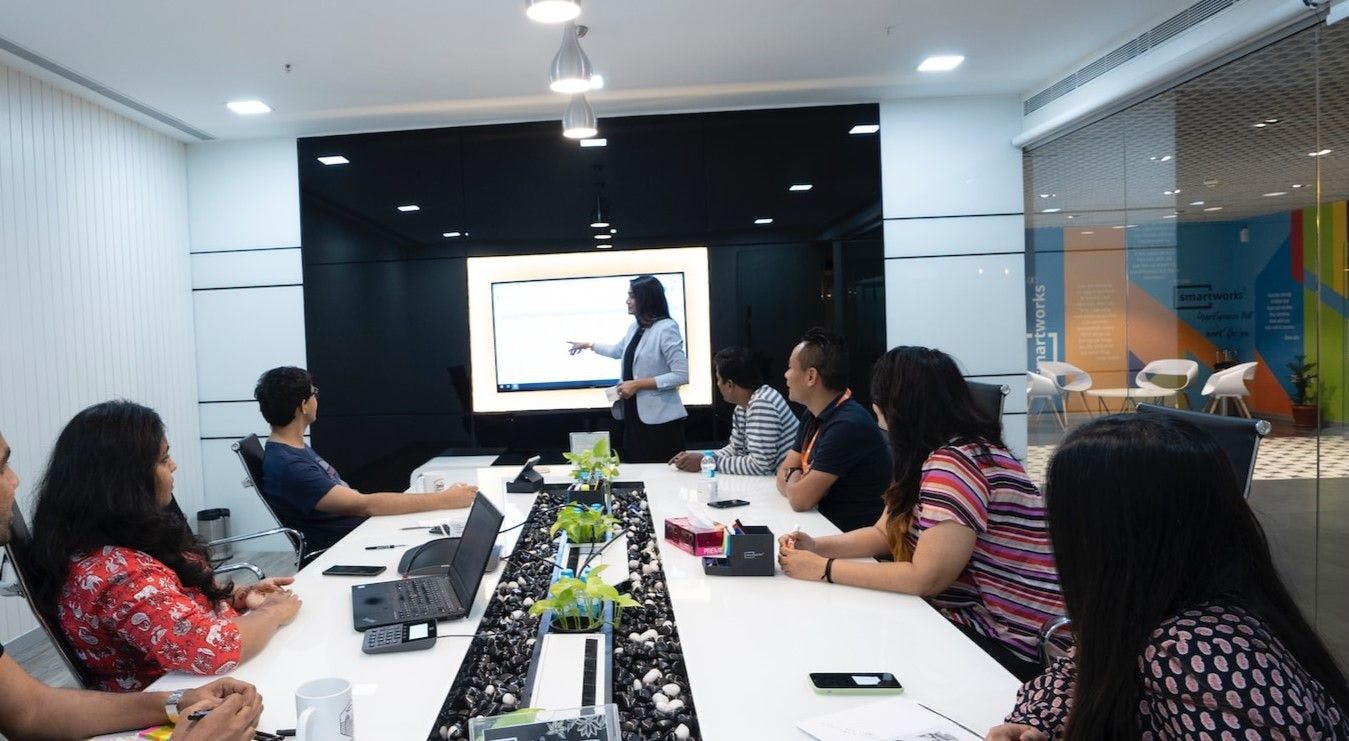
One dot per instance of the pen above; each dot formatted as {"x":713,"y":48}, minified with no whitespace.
{"x":382,"y":547}
{"x":197,"y":714}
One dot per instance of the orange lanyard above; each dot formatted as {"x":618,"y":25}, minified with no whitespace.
{"x":810,"y":444}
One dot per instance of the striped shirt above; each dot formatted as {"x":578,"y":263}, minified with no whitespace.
{"x":1010,"y":586}
{"x":760,"y":435}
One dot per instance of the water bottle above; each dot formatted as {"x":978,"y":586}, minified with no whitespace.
{"x":709,"y":468}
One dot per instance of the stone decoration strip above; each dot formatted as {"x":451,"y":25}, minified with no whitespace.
{"x":650,"y":682}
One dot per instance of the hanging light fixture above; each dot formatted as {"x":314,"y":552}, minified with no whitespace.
{"x":579,"y":120}
{"x":571,"y":70}
{"x":599,"y":218}
{"x":552,"y":11}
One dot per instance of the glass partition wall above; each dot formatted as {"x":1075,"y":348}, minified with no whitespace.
{"x":1197,"y":240}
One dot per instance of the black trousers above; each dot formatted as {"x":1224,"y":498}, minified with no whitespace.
{"x":1020,"y":668}
{"x":644,"y":443}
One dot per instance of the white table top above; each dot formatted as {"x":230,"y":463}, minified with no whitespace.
{"x":748,"y":642}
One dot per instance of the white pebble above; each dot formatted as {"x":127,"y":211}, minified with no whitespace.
{"x":681,"y":732}
{"x":508,"y":700}
{"x":671,"y":689}
{"x":650,"y":634}
{"x":648,"y":568}
{"x":530,"y":642}
{"x":637,"y":684}
{"x":649,"y":644}
{"x":634,"y":576}
{"x":516,"y":615}
{"x":652,"y":676}
{"x":444,"y":731}
{"x":674,"y":706}
{"x":489,"y":690}
{"x":668,"y":624}
{"x":528,"y":601}
{"x":513,"y":584}
{"x":635,"y":637}
{"x":659,"y":698}
{"x":634,"y":563}
{"x":618,"y":651}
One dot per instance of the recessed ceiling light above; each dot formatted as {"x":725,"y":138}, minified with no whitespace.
{"x":1260,"y":125}
{"x":598,"y":224}
{"x":1117,"y":227}
{"x":1044,"y":195}
{"x":941,"y":63}
{"x":1276,"y":193}
{"x":1168,"y":192}
{"x":604,"y":246}
{"x":613,"y":231}
{"x":409,"y":207}
{"x":334,"y":159}
{"x":1196,"y":203}
{"x":604,"y":236}
{"x":763,"y":221}
{"x":1297,"y":185}
{"x":1214,"y":208}
{"x":595,"y":142}
{"x":865,"y":129}
{"x":1271,"y":120}
{"x":1170,"y":216}
{"x":450,"y":234}
{"x":1051,"y":210}
{"x":801,"y":187}
{"x":1321,"y":153}
{"x":1072,"y":216}
{"x":1091,"y":232}
{"x":248,"y":107}
{"x":552,"y":11}
{"x":1165,"y":158}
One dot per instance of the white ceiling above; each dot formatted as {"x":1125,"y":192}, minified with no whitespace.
{"x":396,"y":64}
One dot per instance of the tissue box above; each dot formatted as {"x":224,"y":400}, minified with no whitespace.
{"x":699,"y":541}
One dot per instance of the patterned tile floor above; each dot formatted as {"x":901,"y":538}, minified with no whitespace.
{"x":1279,"y":458}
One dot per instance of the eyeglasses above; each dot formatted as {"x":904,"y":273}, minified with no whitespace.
{"x":314,"y":391}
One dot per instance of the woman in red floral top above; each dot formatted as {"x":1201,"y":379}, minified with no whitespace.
{"x":120,"y":572}
{"x":1182,"y":628}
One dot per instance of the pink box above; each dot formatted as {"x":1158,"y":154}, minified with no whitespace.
{"x":699,"y":541}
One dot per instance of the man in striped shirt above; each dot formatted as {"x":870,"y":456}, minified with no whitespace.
{"x":763,"y":427}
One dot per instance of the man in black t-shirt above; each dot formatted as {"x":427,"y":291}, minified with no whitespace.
{"x":31,"y":709}
{"x":841,"y":462}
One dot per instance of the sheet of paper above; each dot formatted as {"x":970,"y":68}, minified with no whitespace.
{"x":893,"y":719}
{"x":611,"y":394}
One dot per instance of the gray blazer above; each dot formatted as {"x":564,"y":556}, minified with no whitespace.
{"x":660,"y":355}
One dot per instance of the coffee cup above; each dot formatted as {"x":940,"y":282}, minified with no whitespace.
{"x":323,"y":710}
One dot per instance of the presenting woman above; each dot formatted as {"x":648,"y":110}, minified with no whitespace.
{"x":1182,"y":627}
{"x":963,"y":522}
{"x":119,"y":571}
{"x":654,"y":367}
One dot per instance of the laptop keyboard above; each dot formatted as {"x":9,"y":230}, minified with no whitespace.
{"x":418,"y":598}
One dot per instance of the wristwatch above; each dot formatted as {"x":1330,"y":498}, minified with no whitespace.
{"x":171,"y":704}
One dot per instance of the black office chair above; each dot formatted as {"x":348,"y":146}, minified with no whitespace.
{"x":18,"y":550}
{"x":249,"y":450}
{"x":989,"y":398}
{"x":1237,"y":436}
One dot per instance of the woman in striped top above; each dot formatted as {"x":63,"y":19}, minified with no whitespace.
{"x":963,"y":522}
{"x":763,"y":427}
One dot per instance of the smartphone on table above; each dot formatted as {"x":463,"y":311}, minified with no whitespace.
{"x":855,"y":683}
{"x":726,"y":503}
{"x":351,"y":570}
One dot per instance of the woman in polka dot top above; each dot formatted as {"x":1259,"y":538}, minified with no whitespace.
{"x":1182,"y":628}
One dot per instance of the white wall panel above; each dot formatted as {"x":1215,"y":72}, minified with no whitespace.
{"x":954,"y":235}
{"x":950,"y":157}
{"x":270,"y":267}
{"x":232,"y":419}
{"x":959,"y":305}
{"x":243,"y":195}
{"x":244,"y":332}
{"x":94,"y":281}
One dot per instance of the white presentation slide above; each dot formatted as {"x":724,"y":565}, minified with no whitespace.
{"x":524,"y":310}
{"x":532,"y":322}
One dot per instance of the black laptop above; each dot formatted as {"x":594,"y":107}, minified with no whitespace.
{"x":441,"y":597}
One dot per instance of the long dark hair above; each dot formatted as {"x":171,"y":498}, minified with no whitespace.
{"x":99,"y":490}
{"x":649,"y":295}
{"x":926,"y":405}
{"x":1147,"y":520}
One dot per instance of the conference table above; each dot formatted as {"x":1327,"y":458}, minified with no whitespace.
{"x":748,"y":642}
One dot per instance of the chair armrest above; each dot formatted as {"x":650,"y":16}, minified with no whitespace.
{"x":309,"y":557}
{"x":296,"y":539}
{"x":1047,"y":632}
{"x":240,"y":566}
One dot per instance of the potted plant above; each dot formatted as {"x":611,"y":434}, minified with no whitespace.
{"x":594,"y":473}
{"x":1303,"y":378}
{"x":578,"y":605}
{"x":583,"y":524}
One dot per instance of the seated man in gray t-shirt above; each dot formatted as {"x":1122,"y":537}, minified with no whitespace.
{"x":763,"y":427}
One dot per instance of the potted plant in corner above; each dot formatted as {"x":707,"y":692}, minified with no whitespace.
{"x":1303,"y":378}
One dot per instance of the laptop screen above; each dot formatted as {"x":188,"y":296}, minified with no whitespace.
{"x":475,"y":547}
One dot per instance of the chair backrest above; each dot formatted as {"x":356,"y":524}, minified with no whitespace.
{"x":1074,"y":378}
{"x":250,"y":452}
{"x":1230,"y":379}
{"x":19,"y":548}
{"x":988,"y":397}
{"x":1168,"y":367}
{"x":1237,"y":436}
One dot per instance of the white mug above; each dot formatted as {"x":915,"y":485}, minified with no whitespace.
{"x":323,"y":710}
{"x":431,"y":481}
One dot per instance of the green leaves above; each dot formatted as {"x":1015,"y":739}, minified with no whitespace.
{"x":597,"y":462}
{"x":578,"y":604}
{"x":582,"y":524}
